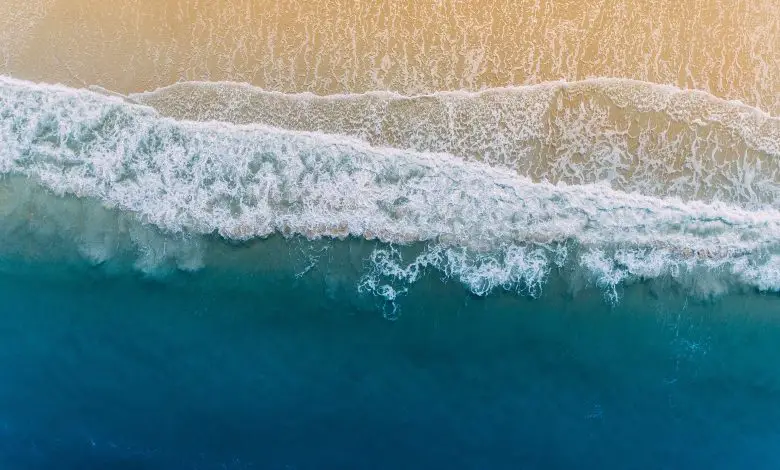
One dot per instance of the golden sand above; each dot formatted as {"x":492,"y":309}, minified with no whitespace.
{"x":730,"y":48}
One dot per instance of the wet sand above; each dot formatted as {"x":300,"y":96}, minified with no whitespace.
{"x":655,"y":140}
{"x":726,"y":47}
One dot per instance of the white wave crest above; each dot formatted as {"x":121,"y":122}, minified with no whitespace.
{"x":636,"y":136}
{"x":486,"y":226}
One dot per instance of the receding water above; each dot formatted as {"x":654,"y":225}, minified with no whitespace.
{"x":724,"y":47}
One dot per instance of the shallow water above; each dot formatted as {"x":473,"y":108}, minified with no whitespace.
{"x":724,"y":47}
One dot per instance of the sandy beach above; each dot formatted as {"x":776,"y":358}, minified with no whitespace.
{"x":725,"y":47}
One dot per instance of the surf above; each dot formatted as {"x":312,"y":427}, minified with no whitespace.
{"x":637,"y":136}
{"x":485,"y":225}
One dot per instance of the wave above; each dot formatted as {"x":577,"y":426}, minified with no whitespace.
{"x":484,"y":225}
{"x":637,"y":136}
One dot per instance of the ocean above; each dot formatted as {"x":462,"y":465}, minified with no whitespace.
{"x":245,"y":236}
{"x":293,"y":371}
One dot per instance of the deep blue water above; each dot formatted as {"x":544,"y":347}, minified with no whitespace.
{"x":258,"y":369}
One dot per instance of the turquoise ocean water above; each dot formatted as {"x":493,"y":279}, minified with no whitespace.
{"x":207,"y":295}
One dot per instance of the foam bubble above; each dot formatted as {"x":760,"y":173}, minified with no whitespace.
{"x":637,"y":136}
{"x":486,"y":226}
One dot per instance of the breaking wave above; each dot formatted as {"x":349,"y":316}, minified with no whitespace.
{"x":636,"y":136}
{"x":492,"y":189}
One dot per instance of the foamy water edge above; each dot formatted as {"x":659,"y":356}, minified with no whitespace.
{"x":488,"y":227}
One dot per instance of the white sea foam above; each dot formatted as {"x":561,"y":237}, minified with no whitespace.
{"x":486,"y":226}
{"x":636,"y":136}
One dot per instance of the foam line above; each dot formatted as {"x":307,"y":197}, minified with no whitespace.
{"x":485,"y":225}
